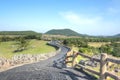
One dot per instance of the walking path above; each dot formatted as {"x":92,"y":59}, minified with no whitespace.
{"x":50,"y":69}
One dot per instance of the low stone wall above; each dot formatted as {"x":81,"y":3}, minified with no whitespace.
{"x":20,"y":59}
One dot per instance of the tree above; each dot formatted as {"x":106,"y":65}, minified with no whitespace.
{"x":5,"y":38}
{"x":113,"y":49}
{"x":30,"y":37}
{"x":116,"y":51}
{"x":22,"y":44}
{"x":65,"y":42}
{"x":106,"y":49}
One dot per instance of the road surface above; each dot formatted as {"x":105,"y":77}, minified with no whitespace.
{"x":50,"y":69}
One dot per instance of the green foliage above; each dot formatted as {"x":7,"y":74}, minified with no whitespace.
{"x":82,"y":44}
{"x":89,"y":50}
{"x":113,"y":49}
{"x":66,"y":32}
{"x":38,"y":37}
{"x":18,"y":33}
{"x":5,"y":38}
{"x":84,"y":50}
{"x":30,"y":37}
{"x":14,"y":35}
{"x":22,"y":44}
{"x":106,"y":49}
{"x":34,"y":47}
{"x":78,"y":42}
{"x":65,"y":42}
{"x":103,"y":39}
{"x":116,"y":51}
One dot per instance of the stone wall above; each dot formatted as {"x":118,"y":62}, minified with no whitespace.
{"x":24,"y":59}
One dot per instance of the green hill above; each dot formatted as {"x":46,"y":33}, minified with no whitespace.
{"x":18,"y":33}
{"x":66,"y":32}
{"x":117,"y":35}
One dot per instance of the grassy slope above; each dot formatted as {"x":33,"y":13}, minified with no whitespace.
{"x":66,"y":32}
{"x":35,"y":47}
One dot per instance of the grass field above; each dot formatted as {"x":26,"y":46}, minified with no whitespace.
{"x":35,"y":47}
{"x":97,"y":44}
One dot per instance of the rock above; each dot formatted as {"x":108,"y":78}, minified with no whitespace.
{"x":24,"y":58}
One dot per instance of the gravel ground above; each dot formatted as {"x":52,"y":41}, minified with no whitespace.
{"x":50,"y":69}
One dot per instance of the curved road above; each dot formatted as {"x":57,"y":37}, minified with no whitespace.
{"x":50,"y":69}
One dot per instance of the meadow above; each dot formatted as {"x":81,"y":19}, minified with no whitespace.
{"x":34,"y":47}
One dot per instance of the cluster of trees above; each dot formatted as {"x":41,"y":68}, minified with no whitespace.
{"x":112,"y":49}
{"x":22,"y":38}
{"x":78,"y":42}
{"x":93,"y":39}
{"x":13,"y":35}
{"x":103,"y":39}
{"x":38,"y":37}
{"x":82,"y":44}
{"x":18,"y":33}
{"x":5,"y":38}
{"x":21,"y":42}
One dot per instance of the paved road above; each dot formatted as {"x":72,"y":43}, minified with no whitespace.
{"x":50,"y":69}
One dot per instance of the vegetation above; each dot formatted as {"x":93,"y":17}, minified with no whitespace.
{"x":97,"y":44}
{"x":29,"y":42}
{"x":22,"y":44}
{"x":78,"y":42}
{"x":66,"y":32}
{"x":118,"y":35}
{"x":92,"y":46}
{"x":84,"y":46}
{"x":18,"y":33}
{"x":35,"y":47}
{"x":5,"y":38}
{"x":113,"y":49}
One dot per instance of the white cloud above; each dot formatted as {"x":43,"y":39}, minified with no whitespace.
{"x":95,"y":25}
{"x":80,"y":19}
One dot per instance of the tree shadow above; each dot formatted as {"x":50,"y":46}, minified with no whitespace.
{"x":81,"y":76}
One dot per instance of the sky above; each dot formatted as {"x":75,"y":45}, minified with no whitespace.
{"x":92,"y":17}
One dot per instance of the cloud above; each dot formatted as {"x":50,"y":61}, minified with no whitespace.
{"x":80,"y":19}
{"x":97,"y":24}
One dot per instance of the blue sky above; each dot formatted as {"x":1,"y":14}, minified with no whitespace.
{"x":93,"y":17}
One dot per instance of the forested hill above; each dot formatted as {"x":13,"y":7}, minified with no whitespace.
{"x":118,"y":35}
{"x":18,"y":33}
{"x":66,"y":32}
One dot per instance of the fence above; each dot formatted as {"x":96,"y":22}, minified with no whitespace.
{"x":104,"y":59}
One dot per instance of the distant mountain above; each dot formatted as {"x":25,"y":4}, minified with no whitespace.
{"x":66,"y":32}
{"x":117,"y":35}
{"x":18,"y":33}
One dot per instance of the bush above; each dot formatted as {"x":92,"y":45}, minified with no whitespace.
{"x":22,"y":44}
{"x":113,"y":49}
{"x":116,"y":51}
